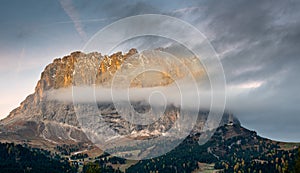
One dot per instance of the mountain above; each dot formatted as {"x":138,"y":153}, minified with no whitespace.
{"x":45,"y":122}
{"x":48,"y":118}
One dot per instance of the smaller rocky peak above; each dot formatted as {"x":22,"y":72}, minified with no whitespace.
{"x":132,"y":52}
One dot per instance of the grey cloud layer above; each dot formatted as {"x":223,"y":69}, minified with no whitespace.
{"x":259,"y":41}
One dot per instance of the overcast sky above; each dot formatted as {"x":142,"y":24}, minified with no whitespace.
{"x":258,"y":43}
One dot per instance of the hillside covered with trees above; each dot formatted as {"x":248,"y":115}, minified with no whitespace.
{"x":17,"y":158}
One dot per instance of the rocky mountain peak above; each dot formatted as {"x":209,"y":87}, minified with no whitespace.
{"x":59,"y":74}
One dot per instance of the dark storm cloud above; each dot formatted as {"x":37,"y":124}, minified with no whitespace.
{"x":265,"y":42}
{"x":258,"y":41}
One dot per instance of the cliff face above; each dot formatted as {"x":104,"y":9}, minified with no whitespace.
{"x":59,"y":74}
{"x":45,"y":122}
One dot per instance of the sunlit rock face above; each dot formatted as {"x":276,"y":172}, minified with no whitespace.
{"x":59,"y":74}
{"x":41,"y":120}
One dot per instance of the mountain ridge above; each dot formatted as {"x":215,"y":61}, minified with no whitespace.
{"x":51,"y":122}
